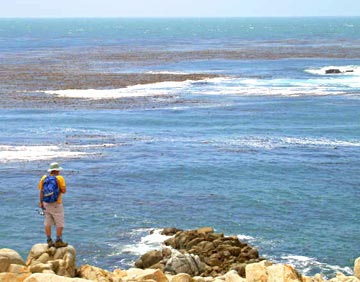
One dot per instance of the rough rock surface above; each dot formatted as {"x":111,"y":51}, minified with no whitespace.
{"x":43,"y":259}
{"x":184,"y":263}
{"x":48,"y":277}
{"x":201,"y":252}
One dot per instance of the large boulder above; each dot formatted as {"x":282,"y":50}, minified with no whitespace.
{"x":184,"y":263}
{"x":12,"y":267}
{"x":182,"y":277}
{"x":60,"y":261}
{"x":46,"y":277}
{"x":340,"y":277}
{"x":149,"y":259}
{"x":13,"y":277}
{"x":97,"y":274}
{"x":9,"y":256}
{"x":4,"y":264}
{"x":282,"y":273}
{"x":233,"y":276}
{"x":357,"y":268}
{"x":170,"y":231}
{"x":256,"y":272}
{"x":152,"y":274}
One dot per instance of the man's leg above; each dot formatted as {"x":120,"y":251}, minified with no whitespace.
{"x":59,"y":231}
{"x":48,"y":235}
{"x":59,"y":222}
{"x":48,"y":231}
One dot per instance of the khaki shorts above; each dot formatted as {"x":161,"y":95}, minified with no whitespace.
{"x":54,"y":214}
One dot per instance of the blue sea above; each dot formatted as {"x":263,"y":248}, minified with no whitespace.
{"x":267,"y":148}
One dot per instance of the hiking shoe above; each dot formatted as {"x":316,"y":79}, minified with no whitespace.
{"x":50,"y":243}
{"x":60,"y":244}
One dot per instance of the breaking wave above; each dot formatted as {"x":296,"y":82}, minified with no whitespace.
{"x":342,"y":70}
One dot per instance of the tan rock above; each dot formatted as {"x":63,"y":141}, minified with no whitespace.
{"x":119,"y":273}
{"x":61,"y":252}
{"x":199,"y":279}
{"x":233,"y":276}
{"x":149,"y":259}
{"x":182,"y":277}
{"x":318,"y":278}
{"x":133,"y":272}
{"x":357,"y":268}
{"x":39,"y":267}
{"x":153,"y":274}
{"x":16,"y":268}
{"x":256,"y":272}
{"x":282,"y":273}
{"x":61,"y":261}
{"x":307,"y":279}
{"x":340,"y":277}
{"x":94,"y":273}
{"x":45,"y":277}
{"x":36,"y":251}
{"x":13,"y":277}
{"x":205,"y":230}
{"x":4,"y":264}
{"x":12,"y":255}
{"x":44,"y":258}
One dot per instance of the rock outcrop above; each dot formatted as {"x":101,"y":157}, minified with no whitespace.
{"x":337,"y":71}
{"x":12,"y":266}
{"x":201,"y":252}
{"x":185,"y":264}
{"x":43,"y":259}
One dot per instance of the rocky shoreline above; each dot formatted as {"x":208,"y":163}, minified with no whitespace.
{"x":187,"y":256}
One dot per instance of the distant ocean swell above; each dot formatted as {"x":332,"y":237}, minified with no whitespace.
{"x":318,"y":84}
{"x":15,"y":153}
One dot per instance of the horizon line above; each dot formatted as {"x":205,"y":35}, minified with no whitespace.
{"x":170,"y":17}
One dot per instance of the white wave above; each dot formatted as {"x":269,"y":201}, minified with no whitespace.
{"x":33,"y":153}
{"x":319,"y":86}
{"x":344,"y":70}
{"x":307,"y":265}
{"x":140,"y":90}
{"x":153,"y":241}
{"x":277,"y":87}
{"x":246,"y":238}
{"x":270,"y":143}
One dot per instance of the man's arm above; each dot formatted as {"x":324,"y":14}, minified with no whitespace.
{"x":61,"y":183}
{"x":41,"y":194}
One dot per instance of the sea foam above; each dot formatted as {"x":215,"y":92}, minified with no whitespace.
{"x":141,"y":90}
{"x":33,"y":153}
{"x":307,"y":265}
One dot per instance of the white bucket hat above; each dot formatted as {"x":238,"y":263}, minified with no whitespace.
{"x":54,"y":166}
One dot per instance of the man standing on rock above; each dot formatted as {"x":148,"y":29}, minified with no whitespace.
{"x":51,"y":188}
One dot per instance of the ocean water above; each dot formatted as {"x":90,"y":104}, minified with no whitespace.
{"x":269,"y":150}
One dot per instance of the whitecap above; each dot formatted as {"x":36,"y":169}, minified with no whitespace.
{"x":307,"y":265}
{"x":246,"y":238}
{"x":34,"y":153}
{"x":140,"y":90}
{"x":345,"y":70}
{"x":151,"y":241}
{"x":270,"y":143}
